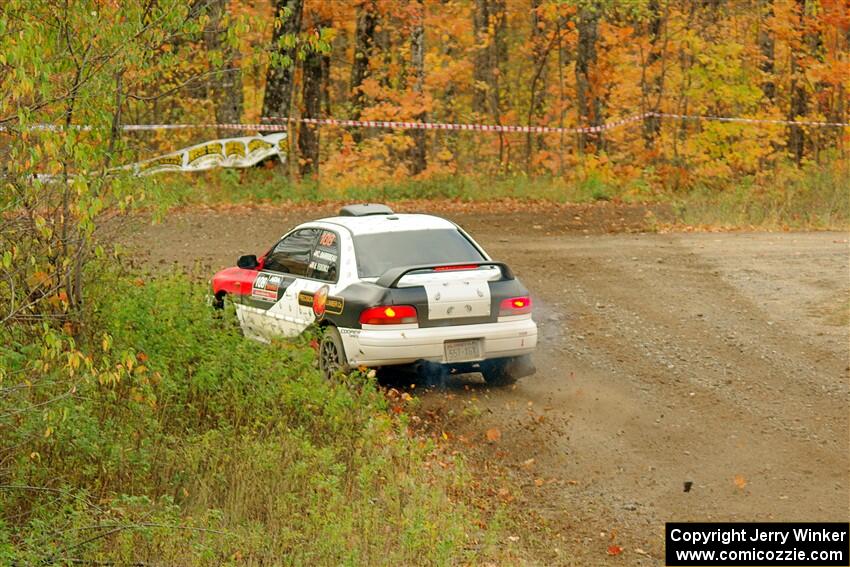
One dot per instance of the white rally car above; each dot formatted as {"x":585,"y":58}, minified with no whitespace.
{"x":387,"y":289}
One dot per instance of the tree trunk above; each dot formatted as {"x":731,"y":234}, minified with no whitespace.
{"x":417,"y":50}
{"x":651,"y":86}
{"x":225,"y":87}
{"x":481,"y":63}
{"x":799,"y":97}
{"x":767,"y":46}
{"x":364,"y":41}
{"x":448,"y":139}
{"x":490,"y":56}
{"x":311,"y":93}
{"x":280,"y":76}
{"x":537,"y":104}
{"x":562,"y":60}
{"x":589,"y":104}
{"x":326,"y":84}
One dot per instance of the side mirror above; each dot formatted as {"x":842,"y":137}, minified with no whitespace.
{"x":248,"y":262}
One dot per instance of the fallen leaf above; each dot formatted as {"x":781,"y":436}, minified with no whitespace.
{"x":614,"y":550}
{"x":538,"y":482}
{"x":740,"y":481}
{"x":493,"y":434}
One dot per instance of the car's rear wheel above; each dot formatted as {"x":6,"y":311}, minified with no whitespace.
{"x":506,"y":371}
{"x":332,"y":357}
{"x":496,"y":373}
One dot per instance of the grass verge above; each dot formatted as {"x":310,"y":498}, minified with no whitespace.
{"x":159,"y":435}
{"x":812,"y":197}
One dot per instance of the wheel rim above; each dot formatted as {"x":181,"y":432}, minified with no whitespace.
{"x":328,"y":357}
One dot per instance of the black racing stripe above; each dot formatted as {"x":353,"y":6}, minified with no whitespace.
{"x":362,"y":295}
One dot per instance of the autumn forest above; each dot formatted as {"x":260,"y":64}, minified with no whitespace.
{"x":530,"y":62}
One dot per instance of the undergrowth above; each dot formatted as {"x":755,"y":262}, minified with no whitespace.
{"x":160,"y":435}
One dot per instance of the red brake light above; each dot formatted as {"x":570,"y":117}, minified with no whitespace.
{"x":515,"y":306}
{"x":389,"y":315}
{"x":458,"y":267}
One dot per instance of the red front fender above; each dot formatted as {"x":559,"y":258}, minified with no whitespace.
{"x":234,"y":281}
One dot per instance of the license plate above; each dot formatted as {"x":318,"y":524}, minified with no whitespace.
{"x":462,"y":351}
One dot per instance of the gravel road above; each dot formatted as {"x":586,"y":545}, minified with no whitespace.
{"x":716,"y":359}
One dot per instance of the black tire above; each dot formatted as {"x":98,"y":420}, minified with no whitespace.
{"x":506,"y":371}
{"x":332,"y":357}
{"x":218,"y":301}
{"x":496,"y":373}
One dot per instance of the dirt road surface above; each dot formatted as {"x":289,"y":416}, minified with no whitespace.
{"x":716,"y":359}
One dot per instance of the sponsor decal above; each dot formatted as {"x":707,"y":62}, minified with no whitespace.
{"x":234,"y":148}
{"x":197,"y":153}
{"x":319,"y":267}
{"x":229,"y":152}
{"x":258,"y":145}
{"x":326,"y":256}
{"x":274,"y":283}
{"x":327,"y":239}
{"x":162,"y":163}
{"x":266,"y":287}
{"x":321,"y":302}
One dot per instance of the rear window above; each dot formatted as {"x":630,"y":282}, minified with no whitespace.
{"x":377,"y":253}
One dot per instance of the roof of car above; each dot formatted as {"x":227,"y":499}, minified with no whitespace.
{"x":395,"y":222}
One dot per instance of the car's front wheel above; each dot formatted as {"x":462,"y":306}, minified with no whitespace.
{"x":332,"y":357}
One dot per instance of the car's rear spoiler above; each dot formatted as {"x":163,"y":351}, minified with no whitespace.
{"x":391,"y":277}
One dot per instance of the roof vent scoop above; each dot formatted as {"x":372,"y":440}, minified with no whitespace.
{"x":365,"y":210}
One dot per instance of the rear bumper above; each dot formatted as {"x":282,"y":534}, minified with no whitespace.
{"x":392,"y":347}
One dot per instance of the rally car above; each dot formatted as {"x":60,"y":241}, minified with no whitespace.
{"x":387,"y":289}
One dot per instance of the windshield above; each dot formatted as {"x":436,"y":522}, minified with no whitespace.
{"x":377,"y":253}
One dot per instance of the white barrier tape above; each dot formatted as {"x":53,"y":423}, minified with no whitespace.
{"x":454,"y":126}
{"x":749,"y":120}
{"x":142,"y":127}
{"x":276,"y":124}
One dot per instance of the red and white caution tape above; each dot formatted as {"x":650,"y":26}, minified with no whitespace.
{"x":146,"y":127}
{"x":749,"y":120}
{"x":453,"y":126}
{"x":276,"y":124}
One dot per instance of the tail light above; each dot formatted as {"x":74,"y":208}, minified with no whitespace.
{"x":389,"y":315}
{"x":515,"y":306}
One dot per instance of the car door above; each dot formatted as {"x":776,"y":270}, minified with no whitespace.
{"x":274,"y":309}
{"x":323,"y":272}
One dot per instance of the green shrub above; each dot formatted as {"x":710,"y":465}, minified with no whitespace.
{"x":163,"y":435}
